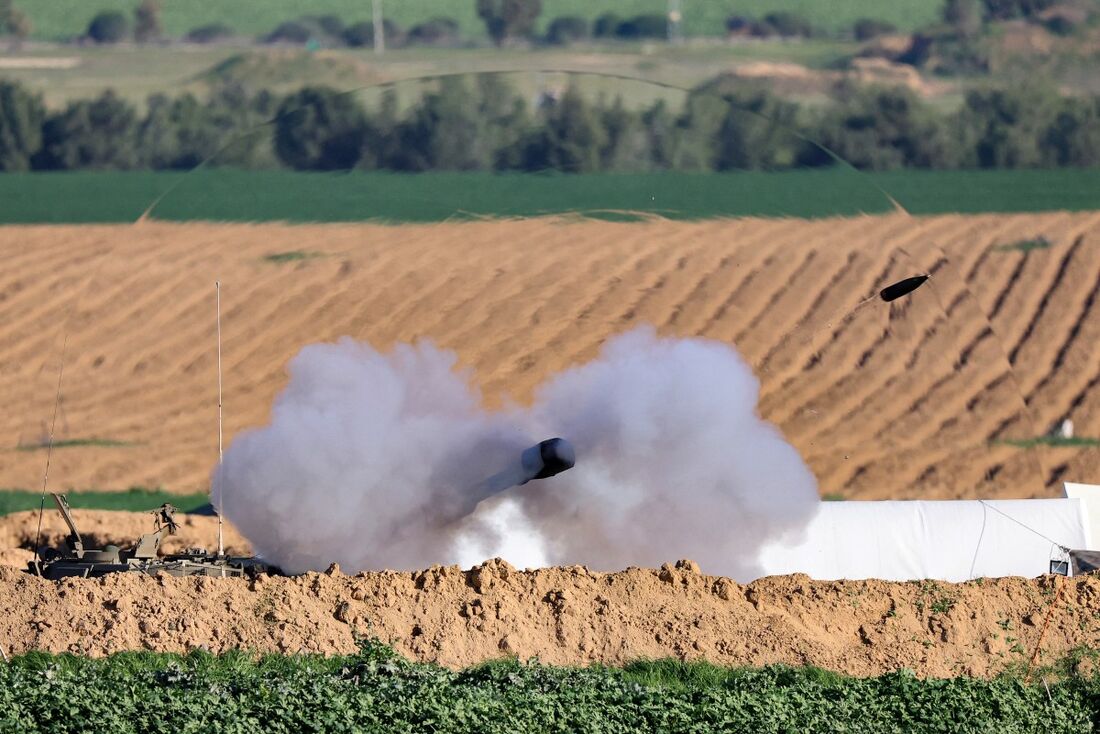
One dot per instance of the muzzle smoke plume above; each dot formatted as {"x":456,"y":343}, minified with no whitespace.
{"x":376,"y":460}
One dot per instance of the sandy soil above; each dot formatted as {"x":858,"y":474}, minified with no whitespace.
{"x":567,"y":616}
{"x":910,"y":399}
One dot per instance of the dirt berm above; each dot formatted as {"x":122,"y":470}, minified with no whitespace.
{"x":567,"y":616}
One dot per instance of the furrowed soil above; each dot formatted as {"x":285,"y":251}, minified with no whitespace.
{"x":568,"y":616}
{"x":919,"y":398}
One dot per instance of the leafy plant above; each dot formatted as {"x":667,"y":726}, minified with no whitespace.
{"x":378,"y":690}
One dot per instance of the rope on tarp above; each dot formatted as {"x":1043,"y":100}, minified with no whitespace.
{"x":1063,"y":548}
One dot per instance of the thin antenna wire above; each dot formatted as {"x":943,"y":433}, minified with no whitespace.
{"x":49,"y":449}
{"x":221,"y":453}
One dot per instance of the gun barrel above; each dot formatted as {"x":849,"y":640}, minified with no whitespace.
{"x":547,"y":458}
{"x":543,"y":460}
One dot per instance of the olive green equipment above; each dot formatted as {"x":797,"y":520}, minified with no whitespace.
{"x":73,"y":559}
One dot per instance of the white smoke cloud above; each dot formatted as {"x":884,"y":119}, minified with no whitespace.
{"x":375,"y":460}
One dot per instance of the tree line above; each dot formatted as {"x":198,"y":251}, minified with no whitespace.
{"x":481,"y":123}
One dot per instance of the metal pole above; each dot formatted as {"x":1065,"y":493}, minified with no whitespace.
{"x":675,"y":18}
{"x":221,"y":453}
{"x":379,"y":28}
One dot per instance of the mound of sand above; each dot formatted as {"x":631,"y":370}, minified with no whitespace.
{"x":906,"y":401}
{"x":566,"y":616}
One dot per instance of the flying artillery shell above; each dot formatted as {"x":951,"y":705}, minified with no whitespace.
{"x":902,"y":288}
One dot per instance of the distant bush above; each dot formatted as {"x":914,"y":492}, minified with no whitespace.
{"x":788,"y":25}
{"x":566,"y":30}
{"x":865,"y":29}
{"x":108,"y":27}
{"x":360,"y":35}
{"x":740,"y":25}
{"x":1060,"y":25}
{"x":209,"y":33}
{"x":437,"y":31}
{"x":606,"y":25}
{"x":291,"y":31}
{"x":506,"y":19}
{"x":327,"y":29}
{"x":652,"y":25}
{"x":93,"y":134}
{"x":1009,"y":9}
{"x":330,"y":24}
{"x":21,"y":117}
{"x":13,"y":21}
{"x":317,"y":128}
{"x":147,"y":25}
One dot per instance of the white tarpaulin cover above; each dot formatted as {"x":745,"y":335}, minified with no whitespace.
{"x":946,"y":540}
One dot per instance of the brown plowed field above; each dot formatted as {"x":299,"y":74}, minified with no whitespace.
{"x":902,"y":400}
{"x":568,"y":616}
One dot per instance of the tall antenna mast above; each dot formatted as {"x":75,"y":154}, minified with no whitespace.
{"x":221,"y":453}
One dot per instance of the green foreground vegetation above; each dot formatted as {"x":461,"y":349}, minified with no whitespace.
{"x":376,"y":690}
{"x":60,"y":19}
{"x":135,"y":499}
{"x":229,"y":195}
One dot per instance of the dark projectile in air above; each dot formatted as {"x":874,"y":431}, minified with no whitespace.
{"x":902,"y":288}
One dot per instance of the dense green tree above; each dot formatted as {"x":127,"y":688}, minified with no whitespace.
{"x":606,"y":25}
{"x":505,"y":19}
{"x":650,"y":25}
{"x":21,"y":117}
{"x":108,"y":27}
{"x":359,"y":35}
{"x":758,"y":132}
{"x":626,"y":148}
{"x":183,"y":132}
{"x":13,"y":21}
{"x":1004,"y":128}
{"x":965,"y":16}
{"x":90,"y":134}
{"x":1073,"y":137}
{"x":661,"y":134}
{"x":567,"y":29}
{"x":504,"y":119}
{"x":147,"y":25}
{"x":886,"y":128}
{"x":442,"y":132}
{"x":571,"y":138}
{"x":1009,"y":9}
{"x":319,"y":128}
{"x":434,"y":32}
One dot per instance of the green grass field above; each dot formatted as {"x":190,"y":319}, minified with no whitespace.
{"x":225,"y":195}
{"x":57,"y":19}
{"x":135,"y":499}
{"x":378,"y":691}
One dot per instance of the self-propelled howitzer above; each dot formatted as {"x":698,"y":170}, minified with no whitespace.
{"x":73,"y":559}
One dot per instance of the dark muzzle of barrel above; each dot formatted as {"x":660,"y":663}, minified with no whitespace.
{"x":547,"y":458}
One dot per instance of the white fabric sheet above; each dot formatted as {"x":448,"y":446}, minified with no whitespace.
{"x":944,"y":540}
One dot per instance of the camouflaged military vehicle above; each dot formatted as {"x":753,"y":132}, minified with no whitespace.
{"x":145,"y":557}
